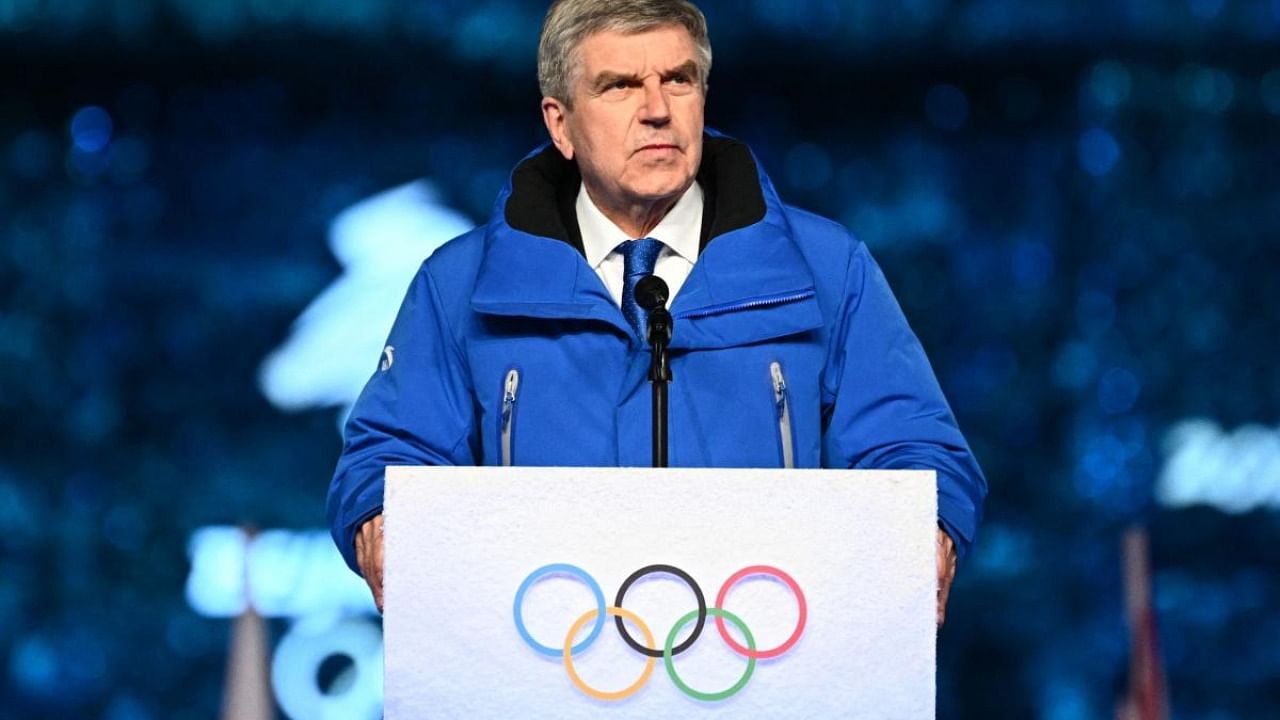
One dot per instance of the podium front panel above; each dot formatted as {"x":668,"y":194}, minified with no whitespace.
{"x":491,"y":572}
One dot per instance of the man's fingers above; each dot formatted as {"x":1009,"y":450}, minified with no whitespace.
{"x":369,"y":556}
{"x":377,"y":554}
{"x":375,"y":564}
{"x":946,"y":572}
{"x":943,"y":592}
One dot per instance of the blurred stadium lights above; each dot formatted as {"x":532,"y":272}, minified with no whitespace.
{"x":484,"y":30}
{"x":1235,"y":471}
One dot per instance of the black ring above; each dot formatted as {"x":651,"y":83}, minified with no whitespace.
{"x":697,"y":591}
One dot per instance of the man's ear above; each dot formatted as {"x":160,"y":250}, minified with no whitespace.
{"x":555,"y":115}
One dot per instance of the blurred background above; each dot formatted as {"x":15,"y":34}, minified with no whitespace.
{"x":209,"y":210}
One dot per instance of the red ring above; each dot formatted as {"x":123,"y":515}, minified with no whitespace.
{"x":795,"y":589}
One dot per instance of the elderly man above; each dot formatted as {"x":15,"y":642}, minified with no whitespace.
{"x":521,"y":341}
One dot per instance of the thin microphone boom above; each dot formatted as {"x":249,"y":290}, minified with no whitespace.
{"x":651,"y":294}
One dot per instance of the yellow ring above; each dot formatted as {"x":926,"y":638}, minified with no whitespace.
{"x":573,"y":674}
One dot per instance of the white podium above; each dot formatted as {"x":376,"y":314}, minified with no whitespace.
{"x":495,"y":579}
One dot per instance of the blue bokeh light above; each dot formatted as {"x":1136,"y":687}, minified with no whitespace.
{"x":488,"y":32}
{"x":1118,"y":391}
{"x":1033,"y":263}
{"x":1004,"y":551}
{"x":33,"y":663}
{"x":1098,"y":151}
{"x":1205,"y":88}
{"x":1075,"y":366}
{"x":91,"y":129}
{"x":1065,"y":700}
{"x":1110,"y":83}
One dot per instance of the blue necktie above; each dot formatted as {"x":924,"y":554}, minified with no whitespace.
{"x":638,"y":260}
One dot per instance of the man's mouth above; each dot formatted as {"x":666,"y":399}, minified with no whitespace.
{"x":659,"y":146}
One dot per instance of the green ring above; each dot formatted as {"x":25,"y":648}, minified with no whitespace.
{"x":671,"y":665}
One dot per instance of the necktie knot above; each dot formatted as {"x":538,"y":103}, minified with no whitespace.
{"x":639,"y":257}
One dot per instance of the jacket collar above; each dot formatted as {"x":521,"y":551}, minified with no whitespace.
{"x":533,"y":265}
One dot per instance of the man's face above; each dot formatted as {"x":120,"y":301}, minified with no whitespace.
{"x":636,"y":122}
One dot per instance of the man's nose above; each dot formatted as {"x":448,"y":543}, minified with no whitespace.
{"x":657,"y":109}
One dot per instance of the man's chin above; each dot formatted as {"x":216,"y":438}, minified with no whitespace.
{"x":656,"y":189}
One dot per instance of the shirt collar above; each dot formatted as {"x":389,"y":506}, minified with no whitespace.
{"x":680,"y":230}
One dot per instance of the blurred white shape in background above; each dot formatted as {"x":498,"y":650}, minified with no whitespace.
{"x":336,"y":344}
{"x":1235,"y":471}
{"x":279,"y":573}
{"x":332,"y":349}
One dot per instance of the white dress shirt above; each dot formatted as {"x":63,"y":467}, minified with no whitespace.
{"x":680,"y":232}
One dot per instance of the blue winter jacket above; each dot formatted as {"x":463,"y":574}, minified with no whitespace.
{"x":789,"y":350}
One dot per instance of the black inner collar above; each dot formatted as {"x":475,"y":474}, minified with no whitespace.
{"x":545,"y":189}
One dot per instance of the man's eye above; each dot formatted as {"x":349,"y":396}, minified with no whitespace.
{"x":618,"y":85}
{"x":679,"y":78}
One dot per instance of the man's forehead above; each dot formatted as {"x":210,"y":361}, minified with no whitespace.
{"x":666,"y":47}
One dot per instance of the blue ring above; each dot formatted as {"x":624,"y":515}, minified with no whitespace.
{"x":577,"y":572}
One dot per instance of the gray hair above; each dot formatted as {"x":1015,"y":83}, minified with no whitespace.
{"x":569,"y":22}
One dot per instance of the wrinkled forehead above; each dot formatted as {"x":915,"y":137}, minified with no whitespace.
{"x":660,"y":48}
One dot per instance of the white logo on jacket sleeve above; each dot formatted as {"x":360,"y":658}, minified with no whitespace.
{"x":388,"y":357}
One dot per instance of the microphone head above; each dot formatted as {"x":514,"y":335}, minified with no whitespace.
{"x":651,"y":292}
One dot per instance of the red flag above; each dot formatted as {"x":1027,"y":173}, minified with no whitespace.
{"x":1147,"y":698}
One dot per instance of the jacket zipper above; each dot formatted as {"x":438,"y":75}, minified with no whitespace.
{"x":784,"y":414}
{"x":747,"y":304}
{"x":509,"y":390}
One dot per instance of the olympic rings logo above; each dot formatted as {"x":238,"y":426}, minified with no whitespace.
{"x":648,"y":648}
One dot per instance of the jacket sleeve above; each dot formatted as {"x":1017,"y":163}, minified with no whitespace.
{"x":415,"y":410}
{"x":884,"y":408}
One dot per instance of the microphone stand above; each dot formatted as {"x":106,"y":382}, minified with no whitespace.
{"x":651,"y":294}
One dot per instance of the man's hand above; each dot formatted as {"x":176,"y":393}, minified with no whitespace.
{"x":946,"y":571}
{"x":369,"y":556}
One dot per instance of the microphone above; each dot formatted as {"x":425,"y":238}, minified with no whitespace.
{"x":651,"y":294}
